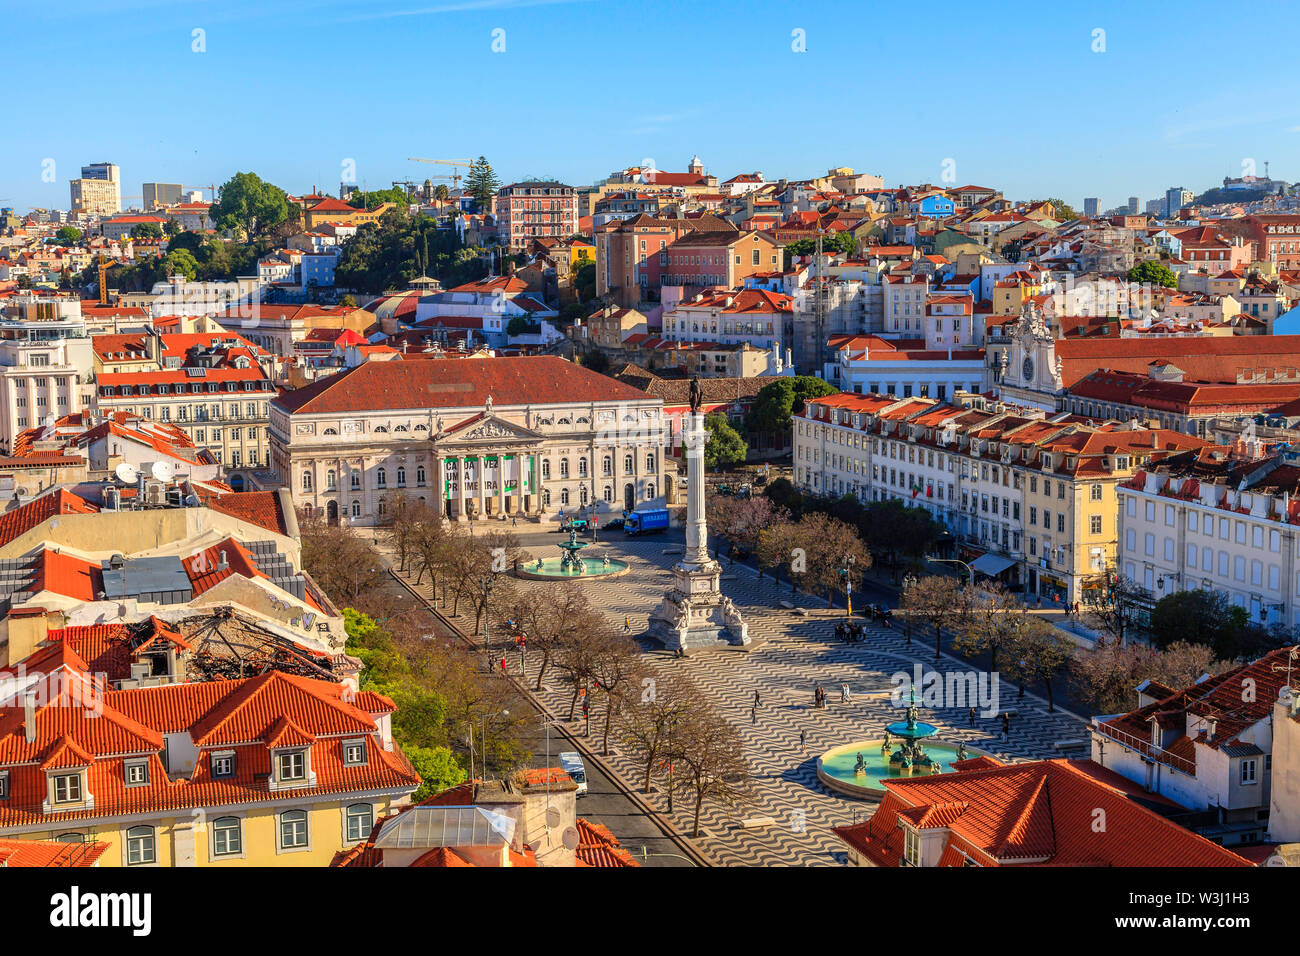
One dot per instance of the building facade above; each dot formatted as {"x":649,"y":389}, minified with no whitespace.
{"x":536,"y":210}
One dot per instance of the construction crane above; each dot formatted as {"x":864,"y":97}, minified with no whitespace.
{"x":103,"y":279}
{"x":455,"y":177}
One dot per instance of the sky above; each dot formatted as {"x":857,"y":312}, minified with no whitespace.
{"x":1026,"y":97}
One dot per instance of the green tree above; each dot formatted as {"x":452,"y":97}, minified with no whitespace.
{"x":441,"y":192}
{"x":68,"y":235}
{"x":249,"y":205}
{"x":1209,"y":618}
{"x":725,"y":445}
{"x":596,"y":360}
{"x":377,"y":197}
{"x":181,"y":262}
{"x":437,"y":768}
{"x":1064,"y":211}
{"x":1153,"y":273}
{"x":482,"y":183}
{"x":845,"y":242}
{"x":777,"y":401}
{"x":147,"y":230}
{"x":171,"y":228}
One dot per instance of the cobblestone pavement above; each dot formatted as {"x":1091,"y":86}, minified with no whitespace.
{"x":789,"y":654}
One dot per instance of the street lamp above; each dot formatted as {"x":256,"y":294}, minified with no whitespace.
{"x":483,"y":736}
{"x":970,"y":573}
{"x":846,"y":569}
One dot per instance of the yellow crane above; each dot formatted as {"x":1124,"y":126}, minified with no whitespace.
{"x":455,"y":177}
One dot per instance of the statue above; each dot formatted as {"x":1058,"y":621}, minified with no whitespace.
{"x":605,"y":562}
{"x":696,"y":396}
{"x":440,"y":432}
{"x":861,"y":766}
{"x":961,"y":750}
{"x":487,"y":406}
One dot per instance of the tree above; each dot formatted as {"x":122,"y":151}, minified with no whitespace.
{"x":339,"y":561}
{"x":1043,"y":652}
{"x":709,"y":761}
{"x":551,"y":619}
{"x":784,"y":494}
{"x":1110,"y":609}
{"x":725,"y":446}
{"x":1210,"y":617}
{"x":1107,"y":675}
{"x":437,"y":768}
{"x":377,"y":197}
{"x":68,"y":235}
{"x":146,"y":230}
{"x":937,"y":600}
{"x":596,"y":360}
{"x":994,"y":619}
{"x":1064,"y":211}
{"x":845,"y":242}
{"x":616,"y":672}
{"x":778,"y":401}
{"x":249,"y":205}
{"x":899,"y":530}
{"x":649,"y":725}
{"x":171,"y":228}
{"x":181,"y":262}
{"x":741,"y":520}
{"x":1153,"y":273}
{"x":441,"y":193}
{"x":834,"y":554}
{"x":482,"y":183}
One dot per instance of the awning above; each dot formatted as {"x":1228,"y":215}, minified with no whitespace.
{"x":991,"y":564}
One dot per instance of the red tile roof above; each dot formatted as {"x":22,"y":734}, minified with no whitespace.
{"x":465,"y":383}
{"x":18,"y":522}
{"x":49,"y":853}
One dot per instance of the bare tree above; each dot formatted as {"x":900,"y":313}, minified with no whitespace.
{"x":648,"y":726}
{"x":712,"y":760}
{"x":549,"y":618}
{"x":617,"y":671}
{"x":1110,"y":610}
{"x":741,"y":520}
{"x":1042,"y":651}
{"x":830,"y":546}
{"x":937,"y":600}
{"x":994,"y":617}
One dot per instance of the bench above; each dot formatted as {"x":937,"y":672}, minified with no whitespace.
{"x":753,"y":823}
{"x":1070,"y":744}
{"x":787,"y":605}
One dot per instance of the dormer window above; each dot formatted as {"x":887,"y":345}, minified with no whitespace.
{"x":354,"y":753}
{"x":911,"y":847}
{"x":4,"y":784}
{"x":291,"y":766}
{"x":136,"y":773}
{"x":66,"y":788}
{"x":223,"y":764}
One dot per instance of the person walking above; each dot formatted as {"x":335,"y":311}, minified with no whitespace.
{"x":803,"y":741}
{"x":627,"y":625}
{"x":503,"y":665}
{"x":753,"y":714}
{"x":1006,"y":726}
{"x":970,"y":716}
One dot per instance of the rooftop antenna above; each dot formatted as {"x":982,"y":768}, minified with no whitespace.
{"x":126,"y":473}
{"x":162,"y":471}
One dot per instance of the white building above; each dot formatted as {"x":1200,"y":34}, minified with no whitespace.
{"x":46,"y":364}
{"x":475,"y":437}
{"x":868,"y":364}
{"x":756,"y":317}
{"x":1209,"y":521}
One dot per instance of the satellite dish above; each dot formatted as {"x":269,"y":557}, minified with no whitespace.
{"x":552,"y":818}
{"x":570,"y":838}
{"x":162,"y":470}
{"x":126,"y":473}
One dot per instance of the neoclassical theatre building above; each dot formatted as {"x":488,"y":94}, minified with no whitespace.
{"x":486,"y":437}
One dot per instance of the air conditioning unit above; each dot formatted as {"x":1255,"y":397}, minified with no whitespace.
{"x":155,"y":492}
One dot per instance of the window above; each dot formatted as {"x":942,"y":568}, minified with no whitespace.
{"x":67,"y":788}
{"x":381,"y":478}
{"x":1094,"y":524}
{"x":330,"y":481}
{"x":227,"y":837}
{"x":4,"y":784}
{"x":628,"y":464}
{"x":360,"y":819}
{"x":293,"y":830}
{"x":401,"y":477}
{"x":137,"y":773}
{"x":306,"y":481}
{"x":223,"y":764}
{"x":140,"y":846}
{"x":564,"y":468}
{"x":911,"y":847}
{"x":1248,"y":771}
{"x":292,"y":765}
{"x":354,"y":753}
{"x":420,"y":476}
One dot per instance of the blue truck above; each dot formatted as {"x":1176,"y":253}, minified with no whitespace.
{"x":645,"y":522}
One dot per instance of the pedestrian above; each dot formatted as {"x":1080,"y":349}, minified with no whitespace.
{"x":757,"y":699}
{"x":514,"y":520}
{"x":627,"y":625}
{"x":803,"y":741}
{"x":503,"y":664}
{"x":970,"y":716}
{"x":753,"y":715}
{"x":1006,"y":726}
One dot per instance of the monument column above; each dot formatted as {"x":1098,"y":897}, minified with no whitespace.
{"x":462,"y":486}
{"x":501,"y":483}
{"x":694,"y":438}
{"x":480,"y":491}
{"x":440,"y":483}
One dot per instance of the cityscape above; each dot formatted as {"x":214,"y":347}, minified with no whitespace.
{"x":768,"y":509}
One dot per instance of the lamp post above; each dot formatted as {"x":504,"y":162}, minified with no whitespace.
{"x":483,"y":735}
{"x":970,"y":573}
{"x":846,"y":572}
{"x":909,"y":579}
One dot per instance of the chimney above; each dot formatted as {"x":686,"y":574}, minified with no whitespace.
{"x":223,"y":564}
{"x":29,"y":716}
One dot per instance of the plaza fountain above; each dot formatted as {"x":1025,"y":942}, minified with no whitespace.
{"x":571,"y":565}
{"x":903,"y":754}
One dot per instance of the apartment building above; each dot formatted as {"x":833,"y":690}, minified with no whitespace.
{"x":1218,"y":521}
{"x":98,"y":192}
{"x":535,"y":210}
{"x":45,"y":363}
{"x":1029,"y":498}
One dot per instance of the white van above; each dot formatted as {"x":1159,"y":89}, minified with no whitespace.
{"x":573,"y":766}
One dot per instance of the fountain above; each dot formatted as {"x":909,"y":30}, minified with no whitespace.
{"x":571,"y":564}
{"x":847,"y":769}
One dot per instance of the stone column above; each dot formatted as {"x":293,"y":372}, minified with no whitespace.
{"x":480,"y":474}
{"x":462,"y":487}
{"x":439,"y":487}
{"x":697,"y":535}
{"x":501,"y":482}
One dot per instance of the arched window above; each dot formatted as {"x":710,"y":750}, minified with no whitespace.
{"x":381,"y":429}
{"x":381,"y":478}
{"x":609,"y":492}
{"x":564,"y":468}
{"x":328,"y":431}
{"x":356,"y":481}
{"x":546,"y":468}
{"x":607,"y":465}
{"x":401,"y":476}
{"x":628,"y":464}
{"x":546,"y":498}
{"x":306,"y":481}
{"x":360,"y":820}
{"x":564,"y":496}
{"x":70,"y":838}
{"x":226,"y":837}
{"x":382,"y":505}
{"x":356,"y":509}
{"x":650,"y":463}
{"x":582,"y":467}
{"x":419,"y":477}
{"x":293,"y":829}
{"x":583,"y":496}
{"x":330,"y":480}
{"x":141,"y":849}
{"x":649,"y":491}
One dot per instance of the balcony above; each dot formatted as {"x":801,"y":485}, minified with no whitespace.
{"x":1147,"y":749}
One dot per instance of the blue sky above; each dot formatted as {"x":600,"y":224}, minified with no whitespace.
{"x":1012,"y":93}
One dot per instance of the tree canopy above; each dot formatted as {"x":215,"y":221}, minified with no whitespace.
{"x":1153,"y":273}
{"x":482,"y":183}
{"x":832,"y":242}
{"x":777,"y":401}
{"x":388,"y":254}
{"x":725,"y":445}
{"x":377,"y":197}
{"x":249,"y":205}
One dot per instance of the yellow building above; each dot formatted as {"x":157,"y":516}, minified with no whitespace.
{"x":274,"y":770}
